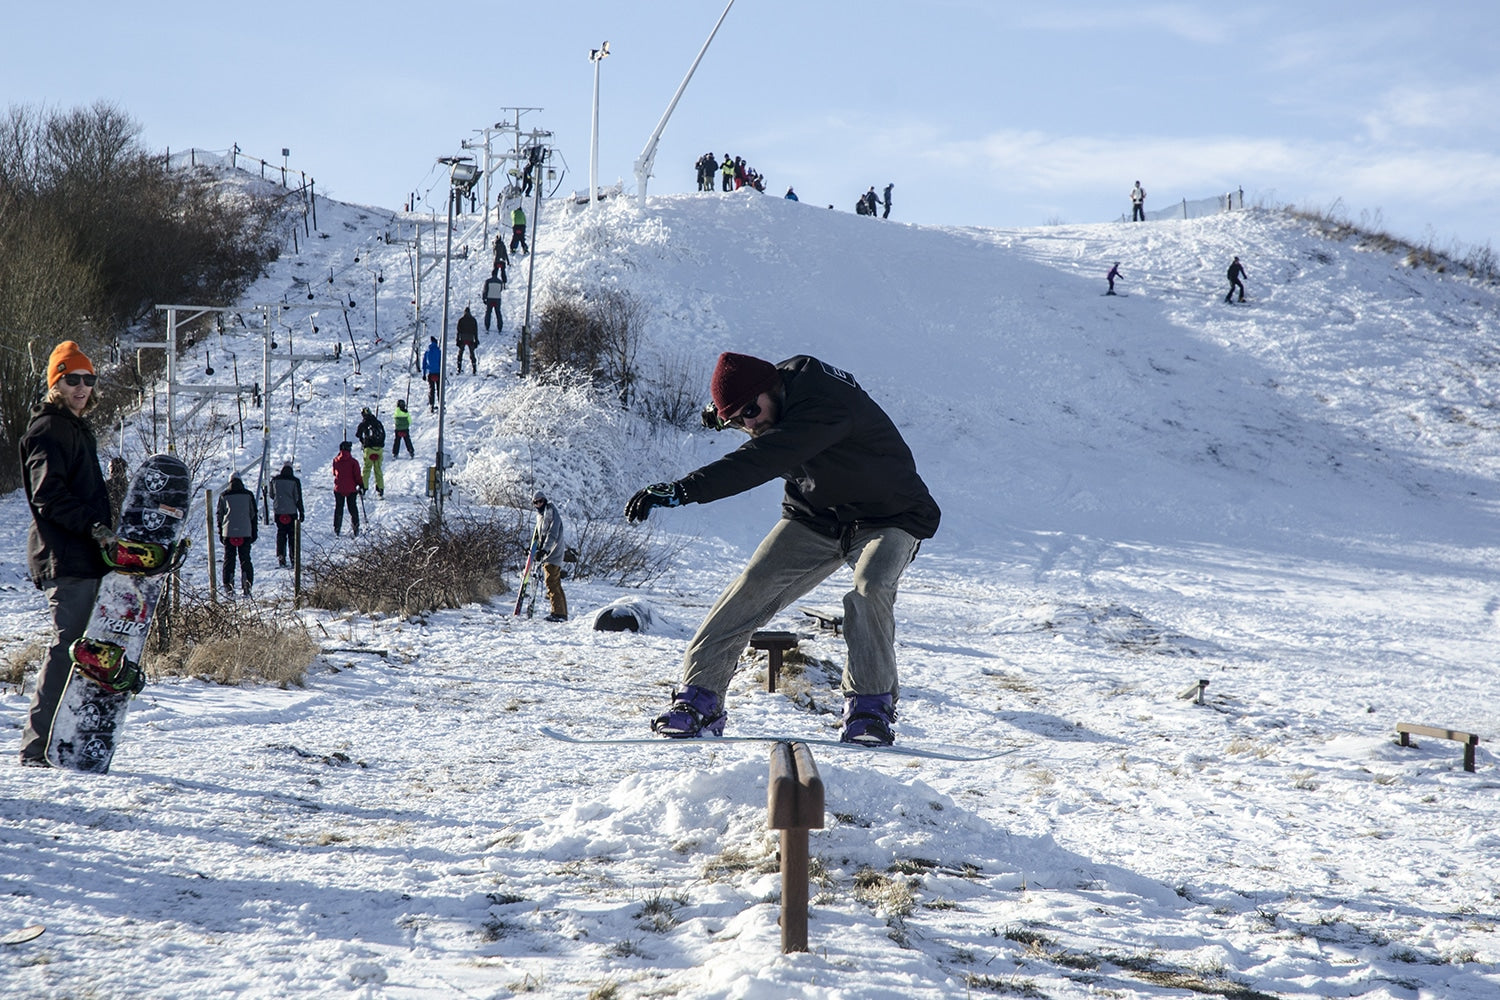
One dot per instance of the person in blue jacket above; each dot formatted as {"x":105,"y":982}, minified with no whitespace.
{"x":432,"y":370}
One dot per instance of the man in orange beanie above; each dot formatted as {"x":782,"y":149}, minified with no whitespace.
{"x":70,"y":520}
{"x":853,"y":498}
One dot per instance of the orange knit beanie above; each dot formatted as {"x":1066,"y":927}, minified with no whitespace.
{"x":66,"y":357}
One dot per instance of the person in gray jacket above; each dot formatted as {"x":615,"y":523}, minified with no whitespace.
{"x":549,"y":554}
{"x":853,"y":498}
{"x":238,"y":530}
{"x":286,"y":501}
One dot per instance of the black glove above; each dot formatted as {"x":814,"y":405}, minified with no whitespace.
{"x":655,"y":495}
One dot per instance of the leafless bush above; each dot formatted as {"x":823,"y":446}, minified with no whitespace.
{"x":625,"y":555}
{"x":232,"y":642}
{"x":421,"y":568}
{"x":596,"y":333}
{"x":21,"y":658}
{"x":673,"y":396}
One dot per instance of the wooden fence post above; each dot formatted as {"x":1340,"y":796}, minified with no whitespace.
{"x":794,"y":805}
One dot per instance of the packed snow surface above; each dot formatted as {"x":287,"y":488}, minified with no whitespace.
{"x":1292,"y":499}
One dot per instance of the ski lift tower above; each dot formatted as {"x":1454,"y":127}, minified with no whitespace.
{"x":647,"y":159}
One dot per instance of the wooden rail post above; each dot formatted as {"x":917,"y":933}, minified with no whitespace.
{"x":1406,"y":730}
{"x":794,"y":805}
{"x":774,"y":643}
{"x":208,"y":513}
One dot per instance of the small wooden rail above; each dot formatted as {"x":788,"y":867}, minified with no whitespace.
{"x":775,"y":644}
{"x":1406,"y":730}
{"x":794,"y":805}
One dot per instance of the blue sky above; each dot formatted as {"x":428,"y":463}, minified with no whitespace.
{"x":984,"y":113}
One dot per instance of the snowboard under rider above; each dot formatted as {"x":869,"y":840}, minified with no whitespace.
{"x":70,"y":525}
{"x":853,"y":498}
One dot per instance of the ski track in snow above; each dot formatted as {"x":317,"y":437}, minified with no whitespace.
{"x":1292,"y":500}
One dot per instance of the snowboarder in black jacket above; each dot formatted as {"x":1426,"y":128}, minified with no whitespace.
{"x":1236,"y":273}
{"x":853,"y":497}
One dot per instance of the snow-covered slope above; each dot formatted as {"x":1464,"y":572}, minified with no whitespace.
{"x":1291,"y":498}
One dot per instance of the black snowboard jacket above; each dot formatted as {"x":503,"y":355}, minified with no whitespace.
{"x":67,"y":495}
{"x":845,"y":464}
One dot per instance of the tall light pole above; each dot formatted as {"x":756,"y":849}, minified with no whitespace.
{"x":596,"y":56}
{"x":647,"y":159}
{"x":462,"y":175}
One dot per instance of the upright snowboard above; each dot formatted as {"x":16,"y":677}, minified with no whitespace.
{"x":106,"y":659}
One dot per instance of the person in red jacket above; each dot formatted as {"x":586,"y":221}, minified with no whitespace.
{"x":853,"y":498}
{"x":346,"y":483}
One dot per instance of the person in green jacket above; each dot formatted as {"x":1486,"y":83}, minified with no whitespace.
{"x":403,"y":430}
{"x":518,"y":230}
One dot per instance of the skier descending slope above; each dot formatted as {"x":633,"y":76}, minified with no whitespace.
{"x":853,"y":497}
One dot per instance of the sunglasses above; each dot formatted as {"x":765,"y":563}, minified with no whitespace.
{"x":748,"y":413}
{"x":75,"y":378}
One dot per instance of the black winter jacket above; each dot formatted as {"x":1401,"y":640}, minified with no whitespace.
{"x":67,"y":495}
{"x":844,"y":462}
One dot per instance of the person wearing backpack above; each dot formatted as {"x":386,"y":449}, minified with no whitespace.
{"x":403,"y":430}
{"x":237,"y":530}
{"x":286,"y":507}
{"x":371,"y":434}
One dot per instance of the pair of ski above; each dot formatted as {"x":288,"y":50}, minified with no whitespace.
{"x":959,"y":754}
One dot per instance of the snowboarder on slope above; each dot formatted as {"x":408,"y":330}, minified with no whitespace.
{"x":70,"y":524}
{"x":1236,"y":273}
{"x":853,"y":497}
{"x":1114,"y":273}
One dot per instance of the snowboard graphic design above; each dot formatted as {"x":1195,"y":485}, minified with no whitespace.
{"x":106,"y":658}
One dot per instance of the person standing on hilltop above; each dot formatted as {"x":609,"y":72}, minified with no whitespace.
{"x":1137,"y":203}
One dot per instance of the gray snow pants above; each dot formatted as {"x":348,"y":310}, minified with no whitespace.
{"x":792,"y":560}
{"x":70,"y":600}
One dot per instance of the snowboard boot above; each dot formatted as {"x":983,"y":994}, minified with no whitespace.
{"x":868,"y":718}
{"x":694,"y":711}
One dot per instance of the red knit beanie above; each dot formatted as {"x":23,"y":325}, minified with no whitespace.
{"x":738,"y":379}
{"x":66,"y":357}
